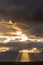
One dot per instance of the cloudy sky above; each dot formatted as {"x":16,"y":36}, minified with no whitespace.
{"x":30,"y":11}
{"x":21,"y":9}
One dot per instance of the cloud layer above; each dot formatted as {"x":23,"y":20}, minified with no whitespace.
{"x":21,"y":9}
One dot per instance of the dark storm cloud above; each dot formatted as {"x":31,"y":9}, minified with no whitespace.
{"x":20,"y":9}
{"x":11,"y":8}
{"x":24,"y":10}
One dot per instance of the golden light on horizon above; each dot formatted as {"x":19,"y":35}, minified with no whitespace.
{"x":4,"y":49}
{"x":33,"y":50}
{"x":24,"y":51}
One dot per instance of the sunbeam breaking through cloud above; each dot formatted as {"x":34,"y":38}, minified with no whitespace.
{"x":15,"y":33}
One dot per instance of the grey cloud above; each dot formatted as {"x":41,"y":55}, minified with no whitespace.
{"x":36,"y":30}
{"x":21,"y":8}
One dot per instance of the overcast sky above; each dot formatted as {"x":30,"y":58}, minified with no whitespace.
{"x":21,"y":9}
{"x":27,"y":10}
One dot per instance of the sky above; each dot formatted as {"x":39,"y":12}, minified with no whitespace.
{"x":27,"y":11}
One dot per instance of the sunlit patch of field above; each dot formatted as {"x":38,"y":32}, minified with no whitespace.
{"x":33,"y":50}
{"x":4,"y":49}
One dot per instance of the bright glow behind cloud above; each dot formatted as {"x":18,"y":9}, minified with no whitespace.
{"x":10,"y":32}
{"x":11,"y":35}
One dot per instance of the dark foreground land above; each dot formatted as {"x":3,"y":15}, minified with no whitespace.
{"x":15,"y":56}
